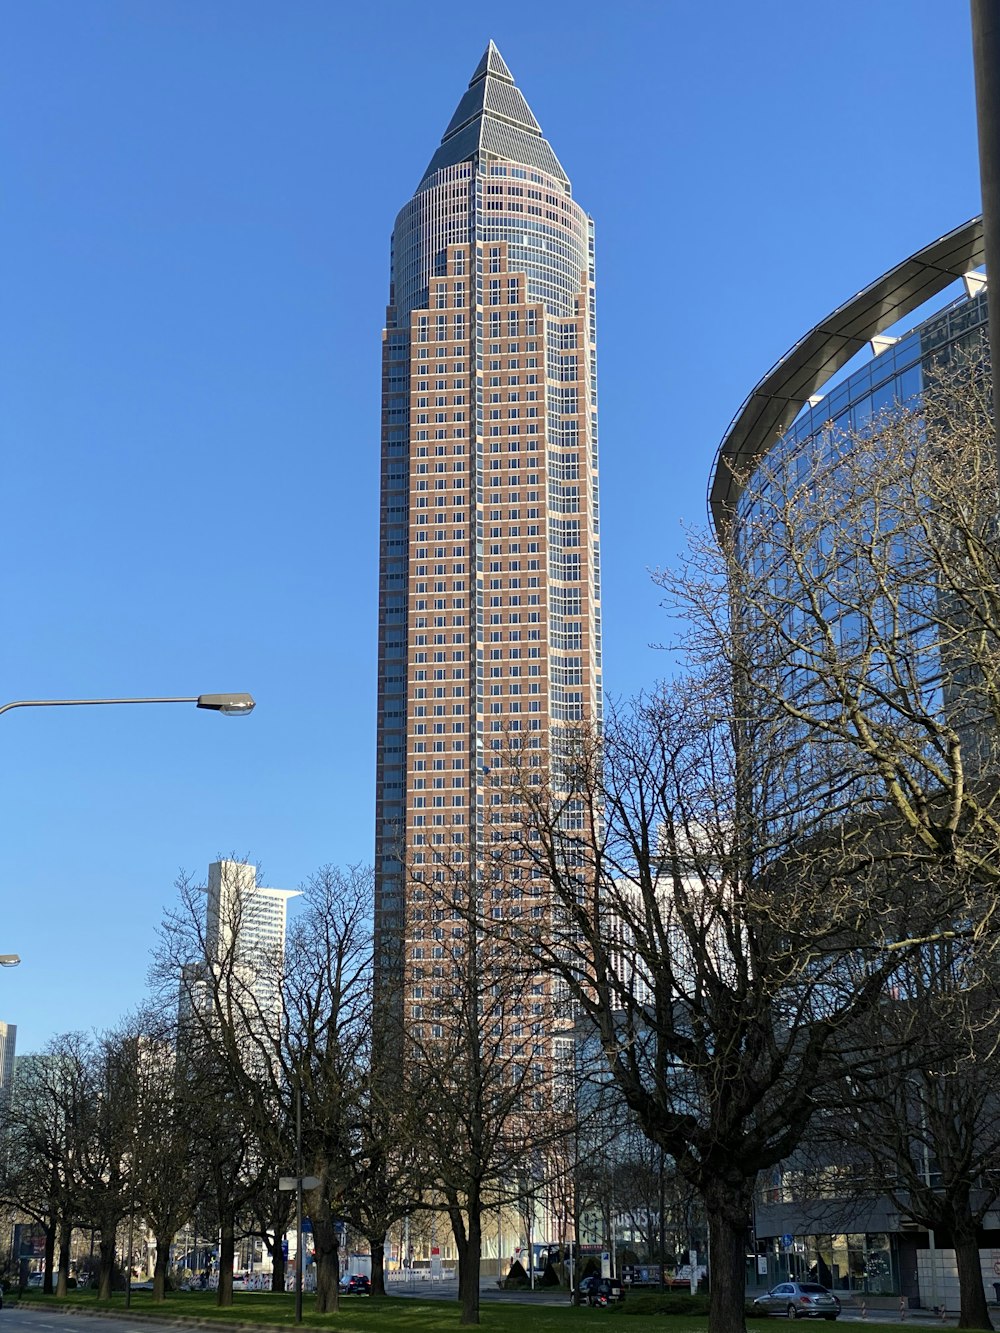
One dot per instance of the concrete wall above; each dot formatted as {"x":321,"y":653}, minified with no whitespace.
{"x":937,"y":1276}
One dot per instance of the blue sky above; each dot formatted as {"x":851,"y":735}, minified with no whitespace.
{"x":197,"y":206}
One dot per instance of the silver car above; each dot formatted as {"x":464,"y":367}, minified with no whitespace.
{"x":798,"y":1300}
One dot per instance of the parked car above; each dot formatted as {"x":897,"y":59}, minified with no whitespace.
{"x":601,"y":1291}
{"x":798,"y":1300}
{"x":358,"y":1284}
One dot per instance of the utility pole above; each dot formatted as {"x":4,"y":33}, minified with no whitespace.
{"x":298,"y":1200}
{"x":986,"y":63}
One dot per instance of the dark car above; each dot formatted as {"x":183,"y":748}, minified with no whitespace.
{"x":358,"y":1284}
{"x":798,"y":1300}
{"x":601,"y":1291}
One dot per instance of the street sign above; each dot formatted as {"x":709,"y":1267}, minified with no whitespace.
{"x":29,"y":1241}
{"x":292,"y":1182}
{"x":786,"y":1242}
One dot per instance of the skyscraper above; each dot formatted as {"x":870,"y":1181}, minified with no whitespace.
{"x":489,"y":583}
{"x":243,"y":945}
{"x":8,"y":1041}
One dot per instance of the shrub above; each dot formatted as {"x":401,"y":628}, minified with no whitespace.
{"x":516,"y":1277}
{"x":664,"y":1302}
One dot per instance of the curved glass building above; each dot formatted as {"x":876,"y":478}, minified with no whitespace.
{"x":823,"y":623}
{"x":792,"y":403}
{"x":788,"y":441}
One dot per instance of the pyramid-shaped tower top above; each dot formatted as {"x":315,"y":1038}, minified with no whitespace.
{"x":492,"y":63}
{"x":494,"y":119}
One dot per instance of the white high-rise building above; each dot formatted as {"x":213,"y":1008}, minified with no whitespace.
{"x":244,"y":941}
{"x":243,"y":912}
{"x":8,"y":1040}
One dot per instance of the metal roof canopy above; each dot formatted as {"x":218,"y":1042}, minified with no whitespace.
{"x":779,"y":397}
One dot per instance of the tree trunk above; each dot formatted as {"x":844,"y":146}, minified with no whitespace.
{"x":327,"y":1260}
{"x":106,"y":1264}
{"x":973,"y":1312}
{"x":469,"y":1243}
{"x":227,"y":1257}
{"x":469,"y":1289}
{"x":462,"y":1247}
{"x":376,"y":1243}
{"x":65,"y":1238}
{"x":161,"y":1266}
{"x":275,"y":1246}
{"x":50,"y":1257}
{"x":277,"y":1252}
{"x":727,"y":1203}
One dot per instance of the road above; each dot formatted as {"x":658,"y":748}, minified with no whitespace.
{"x":446,"y":1289}
{"x":26,"y":1320}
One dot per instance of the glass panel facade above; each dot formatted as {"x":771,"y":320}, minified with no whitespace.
{"x":861,"y":1263}
{"x":796,"y":462}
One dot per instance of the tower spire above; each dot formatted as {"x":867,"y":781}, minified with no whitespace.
{"x":494,"y":119}
{"x":492,"y":63}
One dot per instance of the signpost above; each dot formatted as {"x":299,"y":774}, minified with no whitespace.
{"x":298,"y":1183}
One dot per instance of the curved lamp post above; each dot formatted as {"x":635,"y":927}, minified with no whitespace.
{"x":230,"y":705}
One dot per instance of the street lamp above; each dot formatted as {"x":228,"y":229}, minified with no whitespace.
{"x":229,"y":705}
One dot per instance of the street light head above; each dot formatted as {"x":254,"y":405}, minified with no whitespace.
{"x":229,"y":705}
{"x":9,"y":959}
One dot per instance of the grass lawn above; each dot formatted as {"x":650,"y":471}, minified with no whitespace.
{"x":361,"y":1314}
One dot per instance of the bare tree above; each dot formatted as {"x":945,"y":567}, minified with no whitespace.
{"x":277,"y":1026}
{"x":391,"y":1167}
{"x":43,"y":1147}
{"x":477,"y":1058}
{"x":169,"y":1175}
{"x":106,"y":1071}
{"x":272,"y":1211}
{"x":226,"y":979}
{"x":326,"y":1050}
{"x":920,"y":1121}
{"x":725,"y":976}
